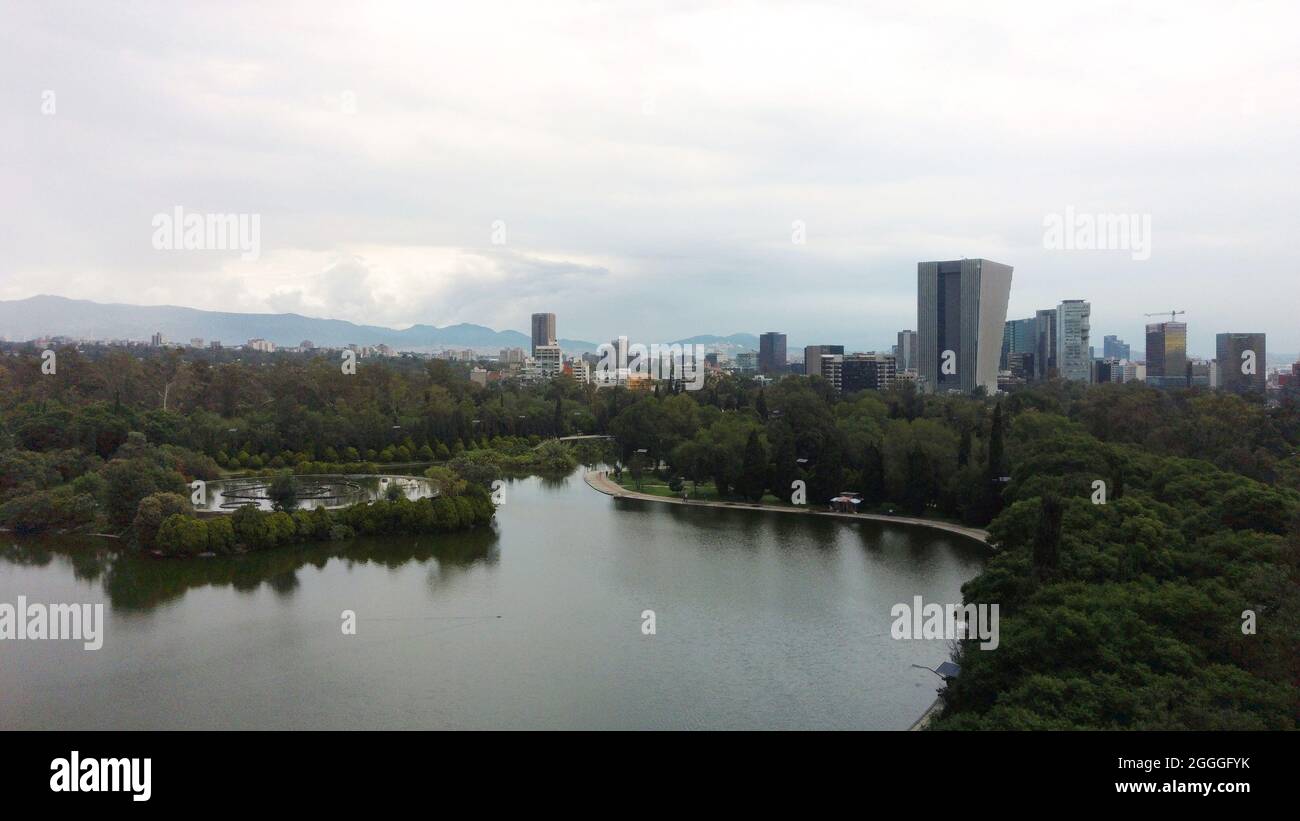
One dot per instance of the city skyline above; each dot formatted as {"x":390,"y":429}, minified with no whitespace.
{"x":796,"y":349}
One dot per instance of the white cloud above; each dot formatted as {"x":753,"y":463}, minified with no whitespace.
{"x":648,"y":160}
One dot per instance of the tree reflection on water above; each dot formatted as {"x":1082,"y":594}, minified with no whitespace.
{"x":133,"y":582}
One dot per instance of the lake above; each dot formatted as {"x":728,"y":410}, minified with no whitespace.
{"x":763,"y":620}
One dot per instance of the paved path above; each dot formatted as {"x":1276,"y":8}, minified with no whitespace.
{"x":929,"y":715}
{"x":598,"y":480}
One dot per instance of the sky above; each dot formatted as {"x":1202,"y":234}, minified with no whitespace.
{"x":657,"y":170}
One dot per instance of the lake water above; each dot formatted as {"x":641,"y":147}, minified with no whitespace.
{"x":763,"y":620}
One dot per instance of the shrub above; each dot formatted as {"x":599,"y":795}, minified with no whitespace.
{"x":283,"y":491}
{"x":152,"y":511}
{"x":221,"y":534}
{"x":59,"y":509}
{"x":182,"y":535}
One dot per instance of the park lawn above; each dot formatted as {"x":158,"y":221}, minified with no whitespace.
{"x":705,"y":492}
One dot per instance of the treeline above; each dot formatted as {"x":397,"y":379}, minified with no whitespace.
{"x":897,"y":449}
{"x":183,"y":534}
{"x":1171,"y":602}
{"x":273,"y":412}
{"x":70,"y":489}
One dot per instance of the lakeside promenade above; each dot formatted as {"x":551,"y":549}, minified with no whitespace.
{"x":599,"y":480}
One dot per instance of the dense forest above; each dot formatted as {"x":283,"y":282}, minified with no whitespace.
{"x":1124,"y":613}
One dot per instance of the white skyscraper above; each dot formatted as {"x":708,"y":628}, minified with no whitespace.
{"x":1072,"y":329}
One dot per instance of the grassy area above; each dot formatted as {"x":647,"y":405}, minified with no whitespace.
{"x":705,"y":492}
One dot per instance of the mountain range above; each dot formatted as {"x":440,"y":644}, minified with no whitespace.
{"x":46,"y":316}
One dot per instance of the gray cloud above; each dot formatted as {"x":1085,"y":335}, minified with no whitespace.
{"x":648,"y":162}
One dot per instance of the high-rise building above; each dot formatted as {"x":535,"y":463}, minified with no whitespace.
{"x":1021,"y":365}
{"x":1045,"y":344}
{"x":961,"y":310}
{"x":1107,"y":370}
{"x":1167,"y":354}
{"x":1112,"y":347}
{"x":747,"y":362}
{"x":156,"y":340}
{"x":1200,"y":373}
{"x":1073,"y":357}
{"x":1241,"y":362}
{"x":812,"y":356}
{"x":1017,"y":337}
{"x":771,"y":353}
{"x":905,"y":352}
{"x":543,"y":331}
{"x":830,"y":367}
{"x":549,"y":360}
{"x":579,"y":370}
{"x":868,"y":371}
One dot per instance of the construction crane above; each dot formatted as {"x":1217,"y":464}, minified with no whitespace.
{"x":1173,"y":315}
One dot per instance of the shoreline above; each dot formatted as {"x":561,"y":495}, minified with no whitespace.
{"x":928,"y":716}
{"x":598,"y":480}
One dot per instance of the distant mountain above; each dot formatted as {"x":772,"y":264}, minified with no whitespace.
{"x":44,"y":316}
{"x":749,"y":341}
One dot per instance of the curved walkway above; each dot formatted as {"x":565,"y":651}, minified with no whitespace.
{"x":930,"y":714}
{"x":598,"y":480}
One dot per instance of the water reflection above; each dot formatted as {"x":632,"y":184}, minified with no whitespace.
{"x":766,"y":620}
{"x":140,"y":583}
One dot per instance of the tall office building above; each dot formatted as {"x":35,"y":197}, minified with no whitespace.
{"x":812,"y":356}
{"x":1167,"y":354}
{"x":960,"y":313}
{"x":1017,"y":337}
{"x":1021,"y":365}
{"x":543,"y":331}
{"x":905,"y":352}
{"x":1045,"y":344}
{"x":1073,"y":354}
{"x":831,"y":368}
{"x":548,"y":360}
{"x":1241,"y":362}
{"x":868,"y":371}
{"x":771,"y":353}
{"x":1112,"y":347}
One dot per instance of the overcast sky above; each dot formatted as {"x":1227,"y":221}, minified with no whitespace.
{"x":649,"y":163}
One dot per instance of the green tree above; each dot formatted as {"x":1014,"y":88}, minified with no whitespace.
{"x":1047,"y":538}
{"x":152,"y":511}
{"x":753,"y":474}
{"x":283,"y":490}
